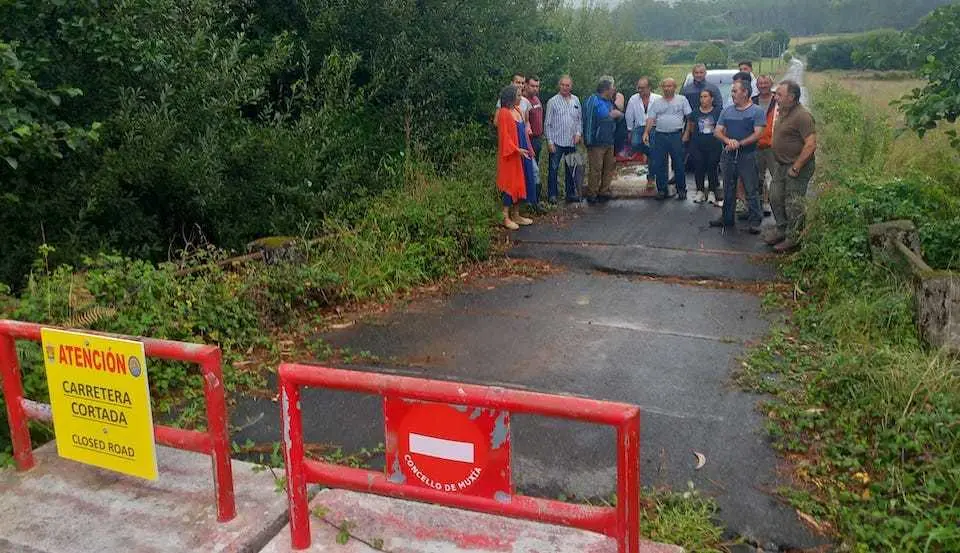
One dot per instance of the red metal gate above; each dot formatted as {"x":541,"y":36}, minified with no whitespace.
{"x":621,"y":522}
{"x":214,"y":442}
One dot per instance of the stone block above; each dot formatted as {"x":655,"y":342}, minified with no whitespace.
{"x":938,"y":310}
{"x":61,"y":506}
{"x":410,"y":527}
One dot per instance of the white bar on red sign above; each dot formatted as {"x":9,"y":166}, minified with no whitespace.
{"x":441,"y":449}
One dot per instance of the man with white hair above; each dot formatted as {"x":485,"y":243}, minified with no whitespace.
{"x":667,"y":117}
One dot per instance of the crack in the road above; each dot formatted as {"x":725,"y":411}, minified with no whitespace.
{"x":595,"y":244}
{"x":623,"y":325}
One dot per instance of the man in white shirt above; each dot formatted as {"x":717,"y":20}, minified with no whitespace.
{"x":636,"y":116}
{"x":668,"y":115}
{"x":562,"y":128}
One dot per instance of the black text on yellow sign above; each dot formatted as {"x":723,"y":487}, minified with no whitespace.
{"x":100,"y":399}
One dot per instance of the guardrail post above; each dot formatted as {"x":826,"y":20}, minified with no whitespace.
{"x":291,"y":421}
{"x":13,"y":394}
{"x":219,"y":436}
{"x":628,"y":485}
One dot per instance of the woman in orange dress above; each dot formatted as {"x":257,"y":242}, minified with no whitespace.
{"x":510,"y":156}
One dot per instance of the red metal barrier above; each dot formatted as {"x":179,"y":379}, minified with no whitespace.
{"x":621,"y":522}
{"x":214,"y":442}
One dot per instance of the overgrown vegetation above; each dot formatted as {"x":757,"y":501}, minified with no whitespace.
{"x":868,"y":415}
{"x":421,"y":232}
{"x":144,"y":126}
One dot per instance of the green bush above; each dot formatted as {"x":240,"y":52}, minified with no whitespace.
{"x":880,"y":50}
{"x":712,"y":56}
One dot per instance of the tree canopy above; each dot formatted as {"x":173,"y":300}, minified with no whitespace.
{"x":738,"y":19}
{"x":936,"y":41}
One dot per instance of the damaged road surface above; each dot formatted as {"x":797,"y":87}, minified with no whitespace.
{"x":596,"y":329}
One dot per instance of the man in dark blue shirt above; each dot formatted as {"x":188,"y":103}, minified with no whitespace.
{"x":739,"y":129}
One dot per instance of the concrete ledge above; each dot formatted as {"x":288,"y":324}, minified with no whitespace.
{"x":65,"y":507}
{"x":409,"y":527}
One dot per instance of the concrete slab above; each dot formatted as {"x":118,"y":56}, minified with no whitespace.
{"x":409,"y":527}
{"x":65,"y":507}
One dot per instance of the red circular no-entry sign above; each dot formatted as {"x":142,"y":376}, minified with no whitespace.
{"x":450,"y":448}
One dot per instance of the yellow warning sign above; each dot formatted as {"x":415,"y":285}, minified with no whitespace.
{"x":100,"y":400}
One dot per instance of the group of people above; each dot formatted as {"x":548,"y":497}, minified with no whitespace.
{"x":762,"y":130}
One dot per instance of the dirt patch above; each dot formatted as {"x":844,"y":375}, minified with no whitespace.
{"x":756,"y":288}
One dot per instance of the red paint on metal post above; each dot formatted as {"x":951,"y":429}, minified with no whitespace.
{"x":219,"y":435}
{"x":628,"y":484}
{"x":621,"y":522}
{"x":214,"y":442}
{"x":13,"y":394}
{"x":291,"y":425}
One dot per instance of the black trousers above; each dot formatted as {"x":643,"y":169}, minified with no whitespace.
{"x":705,"y":156}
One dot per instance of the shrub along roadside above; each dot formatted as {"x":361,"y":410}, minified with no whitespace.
{"x":868,"y":415}
{"x":408,"y":237}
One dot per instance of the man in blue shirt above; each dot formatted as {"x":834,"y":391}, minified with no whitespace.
{"x":739,"y":129}
{"x":599,"y":129}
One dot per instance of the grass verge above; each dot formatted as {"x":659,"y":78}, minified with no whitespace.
{"x":866,"y":413}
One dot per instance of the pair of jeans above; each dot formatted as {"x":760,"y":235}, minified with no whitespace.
{"x":553,"y":177}
{"x":787,"y":196}
{"x":637,"y":145}
{"x":743,"y":165}
{"x":705,"y":154}
{"x":669,"y":144}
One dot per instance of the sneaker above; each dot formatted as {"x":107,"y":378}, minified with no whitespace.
{"x":699,"y":197}
{"x":712,"y":198}
{"x":719,"y":203}
{"x":682,"y":195}
{"x":718,"y":223}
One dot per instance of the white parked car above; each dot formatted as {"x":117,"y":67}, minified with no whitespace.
{"x":723,"y":78}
